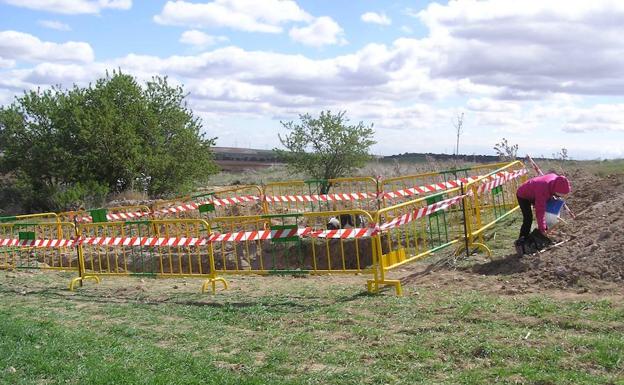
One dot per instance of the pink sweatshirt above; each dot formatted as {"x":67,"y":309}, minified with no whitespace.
{"x":540,"y":189}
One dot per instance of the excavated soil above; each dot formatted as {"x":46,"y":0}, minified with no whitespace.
{"x":589,"y":255}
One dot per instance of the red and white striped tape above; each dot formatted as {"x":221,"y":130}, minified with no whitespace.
{"x":421,"y":212}
{"x":141,"y":241}
{"x":198,"y":241}
{"x":216,"y":202}
{"x":51,"y":243}
{"x":417,"y":190}
{"x":301,"y":232}
{"x":355,"y":232}
{"x":117,"y":216}
{"x":500,"y":179}
{"x":253,"y":235}
{"x":174,"y":209}
{"x":320,"y":197}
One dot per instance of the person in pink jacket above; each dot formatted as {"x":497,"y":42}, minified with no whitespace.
{"x":536,"y":191}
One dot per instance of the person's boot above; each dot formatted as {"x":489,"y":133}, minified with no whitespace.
{"x":519,"y":244}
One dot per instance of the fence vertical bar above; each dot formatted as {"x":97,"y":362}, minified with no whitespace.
{"x":465,"y":220}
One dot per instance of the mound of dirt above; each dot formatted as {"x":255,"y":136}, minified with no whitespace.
{"x":592,"y":244}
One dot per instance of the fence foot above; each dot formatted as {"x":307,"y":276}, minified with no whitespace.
{"x":373,"y":286}
{"x":213,"y":283}
{"x":483,"y":247}
{"x":73,"y":282}
{"x":459,"y":250}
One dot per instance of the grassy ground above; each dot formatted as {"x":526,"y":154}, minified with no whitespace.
{"x":284,"y":330}
{"x":314,"y":330}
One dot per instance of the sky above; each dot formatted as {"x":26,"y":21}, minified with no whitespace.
{"x":546,"y":75}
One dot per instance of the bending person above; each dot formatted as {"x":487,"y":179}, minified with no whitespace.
{"x":537,"y":191}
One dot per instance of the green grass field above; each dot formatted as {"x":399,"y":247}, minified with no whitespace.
{"x":285,"y":330}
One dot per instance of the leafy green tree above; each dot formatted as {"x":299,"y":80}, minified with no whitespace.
{"x":69,"y":147}
{"x":326,"y":147}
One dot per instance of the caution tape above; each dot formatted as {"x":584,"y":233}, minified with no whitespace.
{"x":142,"y":241}
{"x":48,"y":243}
{"x":501,"y":179}
{"x":347,"y":233}
{"x":421,"y":212}
{"x":242,"y":236}
{"x":259,"y":235}
{"x":216,"y":202}
{"x":319,"y":197}
{"x":175,"y":209}
{"x":116,"y":216}
{"x":418,"y":190}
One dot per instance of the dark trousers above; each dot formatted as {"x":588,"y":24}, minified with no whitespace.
{"x":527,"y":216}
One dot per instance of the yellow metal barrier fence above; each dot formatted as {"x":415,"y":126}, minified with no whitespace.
{"x":229,"y":201}
{"x":492,"y":198}
{"x":408,"y":187}
{"x":294,"y":244}
{"x":415,"y":229}
{"x":154,"y":248}
{"x":319,"y":195}
{"x":38,"y":246}
{"x":119,"y":213}
{"x":32,"y":218}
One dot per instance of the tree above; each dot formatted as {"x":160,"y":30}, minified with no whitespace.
{"x":506,"y":151}
{"x":459,"y":128}
{"x":326,"y":147}
{"x":562,"y":155}
{"x":64,"y":147}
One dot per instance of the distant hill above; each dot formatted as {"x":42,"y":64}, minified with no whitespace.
{"x":422,"y":157}
{"x":238,"y":159}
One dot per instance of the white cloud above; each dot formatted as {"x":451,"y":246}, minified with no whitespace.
{"x":508,"y":67}
{"x":67,"y":74}
{"x":246,"y":15}
{"x":53,"y":24}
{"x":598,"y":118}
{"x":406,"y":29}
{"x":6,"y":63}
{"x":71,"y":6}
{"x":490,"y":105}
{"x":530,"y":48}
{"x":322,"y":31}
{"x":376,"y":18}
{"x":200,"y":39}
{"x":22,"y":46}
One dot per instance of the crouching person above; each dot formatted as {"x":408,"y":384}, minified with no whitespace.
{"x":536,"y":192}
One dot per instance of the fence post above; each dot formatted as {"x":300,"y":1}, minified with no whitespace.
{"x":465,"y":220}
{"x":82,"y":271}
